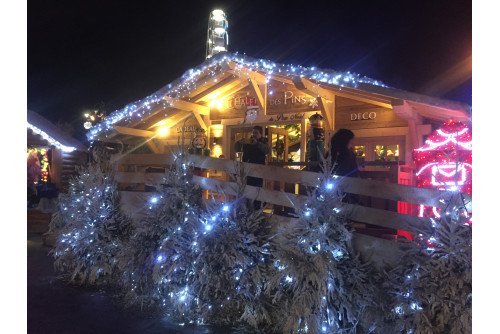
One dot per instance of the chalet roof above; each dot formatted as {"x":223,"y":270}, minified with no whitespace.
{"x":51,"y":134}
{"x":339,"y":82}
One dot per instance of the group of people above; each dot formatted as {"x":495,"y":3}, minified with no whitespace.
{"x":340,"y":153}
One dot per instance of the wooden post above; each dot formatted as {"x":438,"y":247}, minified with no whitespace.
{"x":303,"y":139}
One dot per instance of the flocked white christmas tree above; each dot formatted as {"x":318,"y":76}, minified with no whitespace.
{"x":89,"y":226}
{"x":323,"y":286}
{"x":433,"y":287}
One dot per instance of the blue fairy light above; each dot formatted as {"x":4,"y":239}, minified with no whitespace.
{"x":153,"y":199}
{"x":225,"y":208}
{"x":208,"y":227}
{"x":159,"y":258}
{"x":329,"y":186}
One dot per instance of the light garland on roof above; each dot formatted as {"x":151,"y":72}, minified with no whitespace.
{"x":187,"y":82}
{"x":51,"y":140}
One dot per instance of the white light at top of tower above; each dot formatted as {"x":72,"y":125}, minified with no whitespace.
{"x":217,"y":36}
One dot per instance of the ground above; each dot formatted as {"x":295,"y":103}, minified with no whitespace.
{"x":56,"y":308}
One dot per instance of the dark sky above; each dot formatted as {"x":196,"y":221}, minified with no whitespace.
{"x":85,"y":53}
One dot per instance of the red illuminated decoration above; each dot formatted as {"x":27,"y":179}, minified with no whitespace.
{"x":445,"y":162}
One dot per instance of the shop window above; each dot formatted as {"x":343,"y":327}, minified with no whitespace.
{"x":387,"y":153}
{"x":360,"y":152}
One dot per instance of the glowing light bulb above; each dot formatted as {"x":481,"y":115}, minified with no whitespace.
{"x":163,"y":131}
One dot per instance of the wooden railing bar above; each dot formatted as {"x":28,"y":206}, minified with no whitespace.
{"x":371,"y":188}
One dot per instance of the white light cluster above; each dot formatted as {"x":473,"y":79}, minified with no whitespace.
{"x":187,"y":82}
{"x":51,"y":140}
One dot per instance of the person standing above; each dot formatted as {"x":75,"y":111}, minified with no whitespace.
{"x":341,"y":154}
{"x":343,"y":159}
{"x":255,"y":152}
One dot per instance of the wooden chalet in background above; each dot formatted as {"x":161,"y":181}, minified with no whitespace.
{"x":64,"y":153}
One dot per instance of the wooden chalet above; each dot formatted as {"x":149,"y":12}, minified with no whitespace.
{"x":388,"y":124}
{"x":58,"y":154}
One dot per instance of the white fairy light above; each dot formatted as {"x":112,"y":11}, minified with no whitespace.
{"x":51,"y":140}
{"x":186,"y":83}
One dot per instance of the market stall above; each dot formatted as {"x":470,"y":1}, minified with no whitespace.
{"x":52,"y":156}
{"x":229,"y":94}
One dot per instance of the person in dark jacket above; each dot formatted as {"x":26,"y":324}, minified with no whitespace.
{"x":341,"y":154}
{"x":254,"y":151}
{"x":343,"y":159}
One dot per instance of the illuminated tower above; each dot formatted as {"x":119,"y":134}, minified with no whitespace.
{"x":217,"y":38}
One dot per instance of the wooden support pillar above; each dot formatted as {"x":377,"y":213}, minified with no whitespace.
{"x":327,"y":108}
{"x":200,"y":120}
{"x":261,"y":92}
{"x":408,"y":113}
{"x":303,"y":139}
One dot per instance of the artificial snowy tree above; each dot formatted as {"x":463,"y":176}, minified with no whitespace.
{"x":322,"y":285}
{"x":234,"y":265}
{"x":200,"y":265}
{"x":89,"y":226}
{"x":157,"y":262}
{"x":433,"y":288}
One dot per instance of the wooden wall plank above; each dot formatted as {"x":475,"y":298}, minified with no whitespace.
{"x":378,"y":189}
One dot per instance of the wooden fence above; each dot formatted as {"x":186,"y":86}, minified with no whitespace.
{"x":135,"y":171}
{"x":377,"y":189}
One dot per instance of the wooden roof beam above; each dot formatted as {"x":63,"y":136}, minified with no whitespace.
{"x":261,"y":95}
{"x":249,"y":74}
{"x":200,"y":120}
{"x":218,"y":86}
{"x":240,"y":86}
{"x":329,"y":93}
{"x":187,"y":106}
{"x":327,"y":108}
{"x":134,"y":132}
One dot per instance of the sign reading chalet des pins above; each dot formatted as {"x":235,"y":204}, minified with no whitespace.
{"x":280,"y":100}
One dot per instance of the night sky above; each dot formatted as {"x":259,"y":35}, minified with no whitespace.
{"x":83,"y":54}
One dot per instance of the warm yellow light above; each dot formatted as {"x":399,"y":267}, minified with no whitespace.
{"x":213,"y":96}
{"x":217,"y":150}
{"x":161,"y":123}
{"x":86,"y":114}
{"x":216,"y":103}
{"x":92,"y":117}
{"x":218,"y":133}
{"x":163,"y":131}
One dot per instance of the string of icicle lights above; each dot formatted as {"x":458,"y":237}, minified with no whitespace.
{"x":51,"y":140}
{"x":187,"y":82}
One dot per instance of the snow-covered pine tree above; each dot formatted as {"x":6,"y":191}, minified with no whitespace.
{"x":89,"y":226}
{"x":322,"y":286}
{"x":233,"y":266}
{"x":433,"y":287}
{"x":157,"y":263}
{"x":234,"y":263}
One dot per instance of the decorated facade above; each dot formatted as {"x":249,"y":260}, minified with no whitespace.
{"x":230,"y":93}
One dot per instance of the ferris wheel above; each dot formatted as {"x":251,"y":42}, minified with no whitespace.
{"x":217,"y":37}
